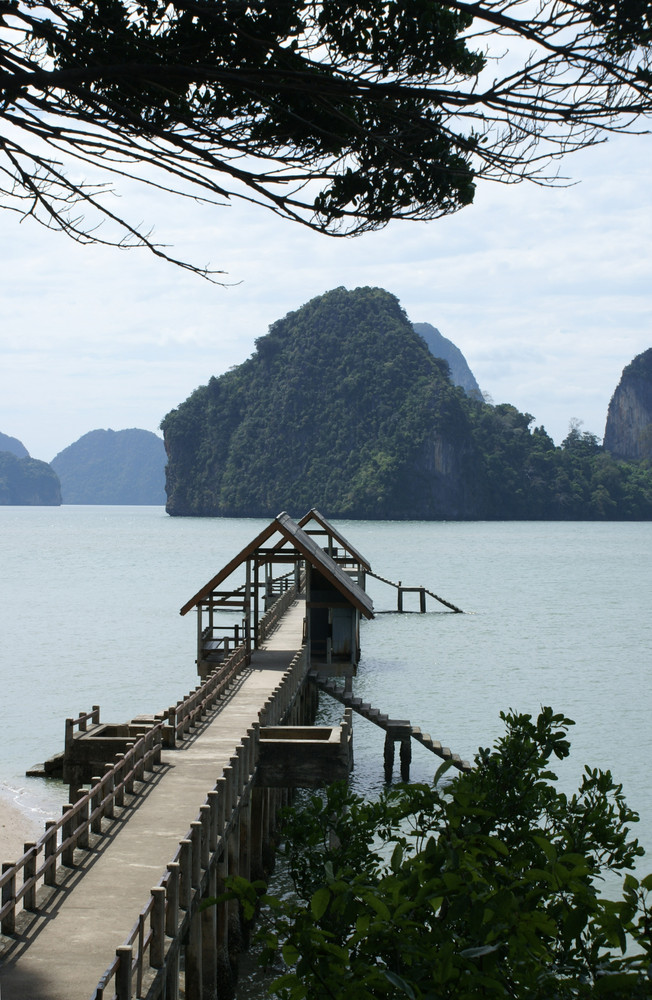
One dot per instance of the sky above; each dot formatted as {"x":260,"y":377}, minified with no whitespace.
{"x":547,"y":293}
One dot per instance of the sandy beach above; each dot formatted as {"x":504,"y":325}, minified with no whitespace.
{"x":20,"y":824}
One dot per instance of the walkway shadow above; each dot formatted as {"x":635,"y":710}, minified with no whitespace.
{"x":50,"y":899}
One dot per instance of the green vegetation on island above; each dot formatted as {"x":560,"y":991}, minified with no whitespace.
{"x":342,"y":405}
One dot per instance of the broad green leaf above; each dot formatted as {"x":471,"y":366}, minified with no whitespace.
{"x":319,"y":902}
{"x":399,"y":983}
{"x":545,"y":845}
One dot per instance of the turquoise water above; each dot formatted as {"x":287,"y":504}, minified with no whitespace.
{"x":556,"y":614}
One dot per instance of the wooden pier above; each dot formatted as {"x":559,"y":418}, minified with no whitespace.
{"x":107,"y":903}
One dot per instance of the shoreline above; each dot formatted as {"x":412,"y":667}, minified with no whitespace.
{"x":20,"y":823}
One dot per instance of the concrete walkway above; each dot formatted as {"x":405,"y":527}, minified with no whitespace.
{"x":66,"y":950}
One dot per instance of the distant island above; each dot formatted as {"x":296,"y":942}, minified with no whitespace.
{"x":25,"y":481}
{"x":440,"y":347}
{"x":13,"y":446}
{"x":113,"y":467}
{"x":102,"y":467}
{"x":344,"y":405}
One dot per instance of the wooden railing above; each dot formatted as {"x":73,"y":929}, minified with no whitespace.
{"x":163,"y":921}
{"x":184,"y":715}
{"x":272,"y":616}
{"x":422,"y":591}
{"x":399,"y":729}
{"x":81,"y":723}
{"x":140,"y":965}
{"x":41,"y":861}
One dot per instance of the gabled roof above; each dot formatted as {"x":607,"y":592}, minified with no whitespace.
{"x":306,"y":546}
{"x":314,"y":515}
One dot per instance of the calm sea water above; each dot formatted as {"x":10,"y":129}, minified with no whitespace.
{"x":557,"y":614}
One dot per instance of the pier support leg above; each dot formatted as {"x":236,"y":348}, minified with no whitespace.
{"x":388,"y":757}
{"x":235,"y":926}
{"x":208,"y":919}
{"x":194,"y":986}
{"x":405,"y":754}
{"x":267,"y":831}
{"x":172,"y":974}
{"x":257,"y":821}
{"x":245,"y":862}
{"x":225,"y":985}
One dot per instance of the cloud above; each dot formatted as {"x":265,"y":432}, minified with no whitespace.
{"x":547,"y":293}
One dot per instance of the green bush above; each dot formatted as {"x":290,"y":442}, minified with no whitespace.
{"x":486,"y":886}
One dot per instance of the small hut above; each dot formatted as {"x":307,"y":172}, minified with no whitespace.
{"x":285,"y":562}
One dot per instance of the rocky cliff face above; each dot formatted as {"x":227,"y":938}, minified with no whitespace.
{"x":628,"y":432}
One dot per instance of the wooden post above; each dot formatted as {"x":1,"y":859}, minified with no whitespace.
{"x":68,"y":852}
{"x":205,"y":818}
{"x":200,"y":637}
{"x":196,"y":830}
{"x":172,"y":727}
{"x":140,"y":769}
{"x":247,"y":608}
{"x":118,"y":780}
{"x":185,"y":862}
{"x":49,"y":851}
{"x":123,"y":973}
{"x":96,"y":803}
{"x":172,"y":892}
{"x":214,"y":808}
{"x":8,"y":924}
{"x":82,"y":820}
{"x":157,"y":944}
{"x":399,"y":597}
{"x":128,"y":774}
{"x":29,"y":872}
{"x":228,"y":793}
{"x":109,"y":791}
{"x":256,"y":606}
{"x":148,"y":753}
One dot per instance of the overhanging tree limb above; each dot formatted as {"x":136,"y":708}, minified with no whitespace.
{"x":336,"y":115}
